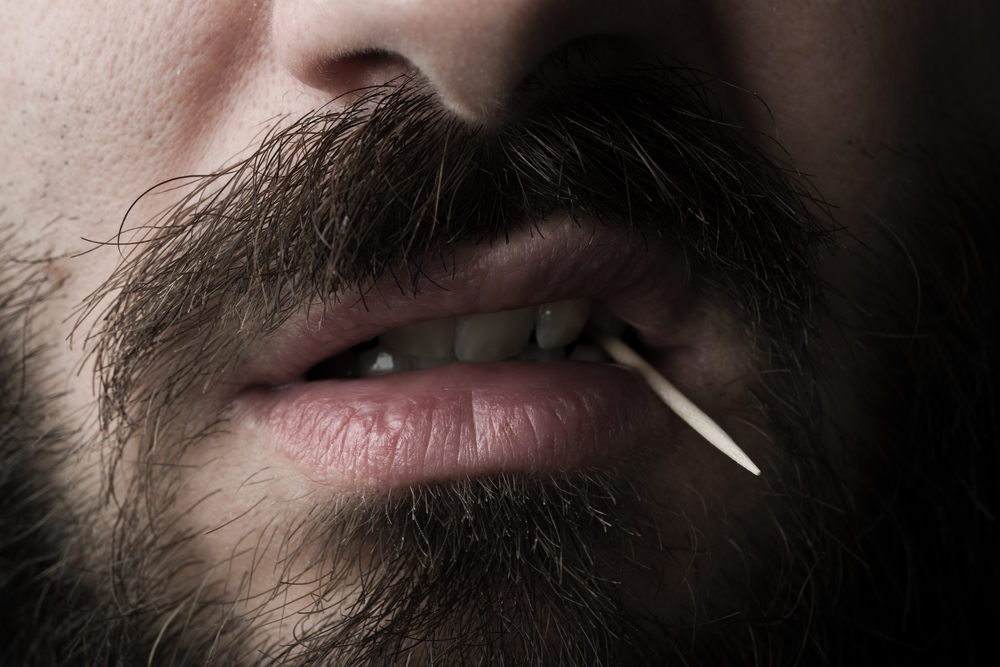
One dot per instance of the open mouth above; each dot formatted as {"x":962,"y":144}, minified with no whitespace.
{"x":405,"y":391}
{"x":550,"y":332}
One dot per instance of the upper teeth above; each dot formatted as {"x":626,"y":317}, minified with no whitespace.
{"x":559,"y":324}
{"x":485,"y":337}
{"x":493,"y":336}
{"x":434,"y":339}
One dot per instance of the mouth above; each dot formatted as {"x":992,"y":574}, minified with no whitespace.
{"x":490,"y":371}
{"x":550,"y":332}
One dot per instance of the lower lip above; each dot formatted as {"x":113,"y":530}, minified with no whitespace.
{"x":461,"y":420}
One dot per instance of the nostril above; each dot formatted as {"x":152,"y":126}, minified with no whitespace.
{"x":349,"y":73}
{"x":476,"y":56}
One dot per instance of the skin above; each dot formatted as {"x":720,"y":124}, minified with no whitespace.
{"x":100,"y":101}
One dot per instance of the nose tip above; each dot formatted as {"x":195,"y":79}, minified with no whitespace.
{"x":473,"y":53}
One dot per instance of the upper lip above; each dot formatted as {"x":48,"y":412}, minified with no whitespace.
{"x":641,"y":278}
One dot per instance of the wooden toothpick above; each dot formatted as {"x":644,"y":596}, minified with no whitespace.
{"x":674,"y":399}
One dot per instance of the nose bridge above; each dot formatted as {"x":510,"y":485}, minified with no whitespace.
{"x":473,"y":52}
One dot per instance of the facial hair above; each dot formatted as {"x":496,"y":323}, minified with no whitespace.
{"x":340,"y":204}
{"x":321,"y":211}
{"x":347,"y":203}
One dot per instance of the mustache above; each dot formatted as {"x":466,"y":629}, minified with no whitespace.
{"x":340,"y":200}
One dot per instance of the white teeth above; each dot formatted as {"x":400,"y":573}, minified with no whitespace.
{"x":431,"y":340}
{"x":559,"y":324}
{"x":493,"y":336}
{"x":381,"y":360}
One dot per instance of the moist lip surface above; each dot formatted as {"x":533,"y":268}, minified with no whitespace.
{"x":461,"y":420}
{"x":466,"y":419}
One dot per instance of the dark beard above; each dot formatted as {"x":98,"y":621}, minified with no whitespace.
{"x":347,"y":205}
{"x":804,"y":600}
{"x":505,"y":570}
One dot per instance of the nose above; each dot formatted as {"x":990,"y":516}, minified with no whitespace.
{"x":474,"y":53}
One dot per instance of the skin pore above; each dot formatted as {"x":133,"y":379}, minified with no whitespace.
{"x":152,"y":516}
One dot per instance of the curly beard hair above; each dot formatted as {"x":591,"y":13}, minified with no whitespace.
{"x":516,"y":569}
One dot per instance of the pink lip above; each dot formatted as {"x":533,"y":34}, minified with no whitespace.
{"x":461,"y":420}
{"x":468,"y":419}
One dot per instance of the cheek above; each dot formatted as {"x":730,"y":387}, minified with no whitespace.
{"x":833,"y":82}
{"x":118,"y":100}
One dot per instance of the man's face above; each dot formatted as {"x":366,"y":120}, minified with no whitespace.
{"x":221,"y":213}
